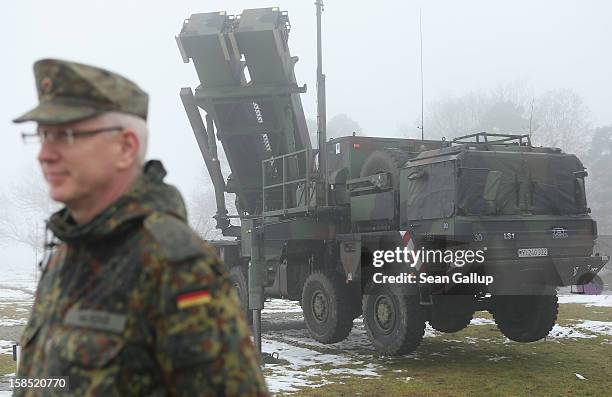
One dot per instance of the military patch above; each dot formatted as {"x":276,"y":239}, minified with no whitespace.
{"x":96,"y":319}
{"x":46,"y":85}
{"x":177,"y":241}
{"x":190,"y":299}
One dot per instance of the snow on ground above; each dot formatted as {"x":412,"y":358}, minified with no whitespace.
{"x":561,"y":332}
{"x":588,"y":300}
{"x":10,"y":322}
{"x":16,"y":283}
{"x":281,"y":306}
{"x":303,"y":361}
{"x":11,"y":294}
{"x":598,"y":327}
{"x":497,"y":358}
{"x":304,"y":367}
{"x":481,"y":321}
{"x":6,"y":347}
{"x":313,"y":364}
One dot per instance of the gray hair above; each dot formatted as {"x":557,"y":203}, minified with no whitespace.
{"x":135,"y":123}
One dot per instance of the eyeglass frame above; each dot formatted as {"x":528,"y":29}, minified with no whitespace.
{"x":69,"y":133}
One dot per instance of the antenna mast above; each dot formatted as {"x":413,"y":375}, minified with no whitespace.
{"x":422,"y":96}
{"x":321,"y":112}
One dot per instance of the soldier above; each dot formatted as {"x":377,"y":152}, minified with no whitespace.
{"x":131,"y":302}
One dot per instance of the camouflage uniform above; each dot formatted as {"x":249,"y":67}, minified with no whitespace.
{"x":134,"y":303}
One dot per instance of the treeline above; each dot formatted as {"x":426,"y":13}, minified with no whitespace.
{"x":556,"y":118}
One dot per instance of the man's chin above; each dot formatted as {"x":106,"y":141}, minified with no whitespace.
{"x":59,"y":195}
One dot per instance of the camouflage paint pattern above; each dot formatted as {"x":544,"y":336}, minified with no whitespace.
{"x":70,"y":91}
{"x":106,"y":314}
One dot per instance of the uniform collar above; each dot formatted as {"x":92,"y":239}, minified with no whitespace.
{"x":149,"y":194}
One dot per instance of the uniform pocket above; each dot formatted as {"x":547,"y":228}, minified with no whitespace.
{"x":191,"y":348}
{"x":86,"y":348}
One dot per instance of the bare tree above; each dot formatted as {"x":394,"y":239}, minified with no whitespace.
{"x":201,"y":208}
{"x":599,"y":190}
{"x":201,"y":204}
{"x":451,"y":117}
{"x":26,"y":206}
{"x":562,"y":121}
{"x":557,"y":118}
{"x":342,"y":125}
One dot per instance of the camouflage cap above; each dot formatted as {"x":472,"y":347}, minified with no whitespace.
{"x":69,"y":91}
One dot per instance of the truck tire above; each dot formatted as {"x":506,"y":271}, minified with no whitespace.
{"x":394,"y":320}
{"x":325,"y":300}
{"x":451,"y":313}
{"x":385,"y":160}
{"x":239,"y":278}
{"x":525,"y":318}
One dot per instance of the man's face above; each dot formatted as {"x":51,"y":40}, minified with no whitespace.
{"x":78,"y":172}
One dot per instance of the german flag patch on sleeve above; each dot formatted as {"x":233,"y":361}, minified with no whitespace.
{"x":190,"y":299}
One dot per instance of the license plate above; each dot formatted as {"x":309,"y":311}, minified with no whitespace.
{"x":532,"y":252}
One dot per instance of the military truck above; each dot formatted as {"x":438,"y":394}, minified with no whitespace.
{"x":310,"y":221}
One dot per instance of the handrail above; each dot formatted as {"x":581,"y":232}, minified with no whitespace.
{"x":303,"y":178}
{"x":504,"y":139}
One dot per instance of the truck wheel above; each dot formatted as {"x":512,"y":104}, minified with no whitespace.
{"x":325,"y":300}
{"x":525,"y":318}
{"x":451,"y":313}
{"x":393,"y":319}
{"x":386,"y":160}
{"x":240,"y":282}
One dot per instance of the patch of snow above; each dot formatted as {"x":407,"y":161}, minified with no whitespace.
{"x":18,"y":305}
{"x":6,"y":346}
{"x":498,"y":358}
{"x":430,"y":332}
{"x":560,"y":331}
{"x":356,"y":341}
{"x":281,"y":306}
{"x":303,"y":368}
{"x":14,"y":294}
{"x":481,"y":321}
{"x":368,"y":370}
{"x":20,"y":277}
{"x":10,"y":322}
{"x":588,"y":300}
{"x":598,"y":327}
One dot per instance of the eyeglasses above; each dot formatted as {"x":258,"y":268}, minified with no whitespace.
{"x":66,"y":136}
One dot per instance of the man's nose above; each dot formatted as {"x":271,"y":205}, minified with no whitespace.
{"x":48,"y":152}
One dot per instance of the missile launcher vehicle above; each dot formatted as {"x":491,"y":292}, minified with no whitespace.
{"x":311,"y":223}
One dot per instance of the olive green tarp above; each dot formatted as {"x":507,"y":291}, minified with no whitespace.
{"x":521,"y":182}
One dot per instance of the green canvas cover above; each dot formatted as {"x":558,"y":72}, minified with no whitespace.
{"x":429,"y":191}
{"x":535,"y":183}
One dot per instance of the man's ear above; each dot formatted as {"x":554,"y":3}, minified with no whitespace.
{"x":129,"y":147}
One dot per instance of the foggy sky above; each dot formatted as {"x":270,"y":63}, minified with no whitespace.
{"x":371,"y":58}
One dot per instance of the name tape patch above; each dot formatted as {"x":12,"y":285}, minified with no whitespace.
{"x":96,"y":319}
